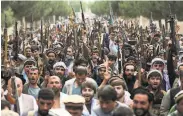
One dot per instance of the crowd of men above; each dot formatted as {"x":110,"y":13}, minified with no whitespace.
{"x":93,"y":69}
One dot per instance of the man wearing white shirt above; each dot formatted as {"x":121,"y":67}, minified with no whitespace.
{"x":55,"y":84}
{"x":26,"y":102}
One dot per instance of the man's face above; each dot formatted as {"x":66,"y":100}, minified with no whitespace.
{"x":36,"y":53}
{"x":69,"y":52}
{"x":88,"y":94}
{"x":101,"y":72}
{"x":27,"y":67}
{"x":95,"y":56}
{"x":59,"y":71}
{"x":141,"y":104}
{"x":51,"y":56}
{"x":55,"y":84}
{"x":154,"y":81}
{"x":44,"y":106}
{"x":129,"y":71}
{"x":80,"y":78}
{"x":19,"y":86}
{"x":28,"y":52}
{"x":33,"y":76}
{"x":180,"y":107}
{"x":120,"y":91}
{"x":107,"y":106}
{"x":158,"y":66}
{"x":111,"y":62}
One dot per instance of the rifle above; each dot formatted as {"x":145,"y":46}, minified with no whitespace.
{"x":6,"y":41}
{"x":119,"y":57}
{"x":31,"y":26}
{"x":139,"y":56}
{"x":16,"y":42}
{"x":15,"y":94}
{"x":42,"y":36}
{"x":164,"y":33}
{"x":83,"y":17}
{"x":172,"y":34}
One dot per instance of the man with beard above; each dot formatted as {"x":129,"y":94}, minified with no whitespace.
{"x":123,"y":95}
{"x":55,"y":84}
{"x":59,"y":70}
{"x":69,"y":60}
{"x":28,"y":52}
{"x":179,"y":105}
{"x":32,"y":87}
{"x":154,"y":81}
{"x":88,"y":91}
{"x":45,"y":102}
{"x":94,"y":59}
{"x":142,"y":101}
{"x":73,"y":86}
{"x":107,"y":97}
{"x":130,"y":79}
{"x":48,"y":68}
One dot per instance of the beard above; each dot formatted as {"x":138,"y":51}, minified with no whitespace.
{"x":43,"y":112}
{"x":56,"y":90}
{"x":140,"y":111}
{"x":51,"y":61}
{"x":68,"y":57}
{"x":88,"y":98}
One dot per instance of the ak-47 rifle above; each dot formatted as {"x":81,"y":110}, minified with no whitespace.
{"x":164,"y":48}
{"x":172,"y":34}
{"x":42,"y":44}
{"x":139,"y":56}
{"x":83,"y":17}
{"x":15,"y":94}
{"x":119,"y":56}
{"x":16,"y":44}
{"x":6,"y":41}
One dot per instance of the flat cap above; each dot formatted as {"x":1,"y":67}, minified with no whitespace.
{"x":154,"y":72}
{"x":32,"y":61}
{"x":59,"y":64}
{"x":74,"y":100}
{"x":157,"y":60}
{"x":178,"y":96}
{"x":8,"y":113}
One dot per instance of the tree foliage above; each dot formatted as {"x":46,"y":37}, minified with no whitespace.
{"x":38,"y":9}
{"x":131,"y":9}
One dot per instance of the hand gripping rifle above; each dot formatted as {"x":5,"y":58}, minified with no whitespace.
{"x":14,"y":97}
{"x":172,"y":34}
